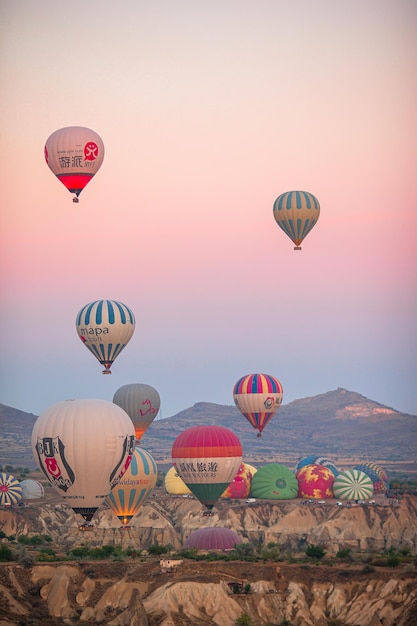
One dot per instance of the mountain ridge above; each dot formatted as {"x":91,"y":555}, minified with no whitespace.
{"x":337,"y":423}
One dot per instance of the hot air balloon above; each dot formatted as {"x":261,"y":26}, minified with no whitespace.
{"x":212,"y":538}
{"x":105,"y":327}
{"x":240,"y":485}
{"x":316,"y":460}
{"x":32,"y":489}
{"x":296,"y":212}
{"x":74,"y":154}
{"x":207,"y":458}
{"x":141,"y":402}
{"x":274,"y":481}
{"x":315,"y":481}
{"x":377,"y":474}
{"x":352,"y":484}
{"x":83,"y":447}
{"x":10,"y":489}
{"x":174,"y":484}
{"x":135,"y":486}
{"x":258,"y":397}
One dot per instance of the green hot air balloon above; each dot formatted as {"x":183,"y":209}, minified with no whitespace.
{"x":274,"y":481}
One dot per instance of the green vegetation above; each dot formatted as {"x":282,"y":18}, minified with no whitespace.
{"x":244,"y":620}
{"x":315,"y":552}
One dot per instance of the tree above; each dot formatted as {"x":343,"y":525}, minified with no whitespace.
{"x":244,"y":620}
{"x":315,"y":552}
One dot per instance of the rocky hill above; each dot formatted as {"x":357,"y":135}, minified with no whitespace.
{"x":341,"y":424}
{"x":137,"y":592}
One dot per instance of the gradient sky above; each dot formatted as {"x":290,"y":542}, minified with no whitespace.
{"x":208,"y":111}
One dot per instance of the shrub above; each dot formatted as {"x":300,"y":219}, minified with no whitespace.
{"x":315,"y":552}
{"x":345,"y":553}
{"x":157,"y":549}
{"x":244,"y":620}
{"x":393,"y":560}
{"x":5,"y":553}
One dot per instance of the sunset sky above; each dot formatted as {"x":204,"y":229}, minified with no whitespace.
{"x":208,"y":111}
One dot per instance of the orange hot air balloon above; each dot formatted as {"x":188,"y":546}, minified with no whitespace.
{"x":74,"y":154}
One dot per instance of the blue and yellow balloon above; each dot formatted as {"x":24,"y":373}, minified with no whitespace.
{"x":126,"y":498}
{"x":296,"y":213}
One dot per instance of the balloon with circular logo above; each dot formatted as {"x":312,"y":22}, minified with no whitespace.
{"x":105,"y":327}
{"x":83,"y":447}
{"x":207,"y":458}
{"x":74,"y":154}
{"x":258,"y":397}
{"x":296,"y":213}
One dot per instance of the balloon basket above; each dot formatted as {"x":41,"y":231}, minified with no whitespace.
{"x":75,"y":200}
{"x":297,"y":247}
{"x":106,"y":372}
{"x":84,"y":527}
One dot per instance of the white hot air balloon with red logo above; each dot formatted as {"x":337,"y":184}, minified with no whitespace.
{"x":74,"y":154}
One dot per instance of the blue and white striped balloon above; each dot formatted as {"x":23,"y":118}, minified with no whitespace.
{"x":105,"y":327}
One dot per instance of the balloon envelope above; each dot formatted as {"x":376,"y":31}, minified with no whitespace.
{"x":240,"y":485}
{"x":353,"y":484}
{"x":207,"y":458}
{"x":377,"y":474}
{"x":174,"y":484}
{"x":83,"y":447}
{"x":315,"y":460}
{"x":135,"y":486}
{"x":105,"y":327}
{"x":141,"y":402}
{"x":212,"y":538}
{"x":258,"y":397}
{"x":274,"y":481}
{"x":32,"y":489}
{"x":315,"y":481}
{"x":10,"y":489}
{"x":74,"y":154}
{"x":296,"y":213}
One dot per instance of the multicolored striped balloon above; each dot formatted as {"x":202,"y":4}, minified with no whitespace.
{"x":207,"y":458}
{"x":10,"y":489}
{"x":377,"y":474}
{"x":105,"y":327}
{"x":258,"y":397}
{"x":126,"y":498}
{"x":296,"y":213}
{"x":352,"y":484}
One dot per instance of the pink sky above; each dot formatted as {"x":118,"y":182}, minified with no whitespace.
{"x":208,"y":111}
